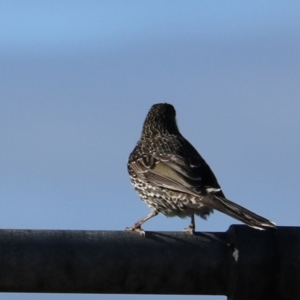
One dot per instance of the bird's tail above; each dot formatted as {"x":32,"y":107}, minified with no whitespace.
{"x":236,"y":211}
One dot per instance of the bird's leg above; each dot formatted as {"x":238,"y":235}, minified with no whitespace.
{"x":192,"y":226}
{"x":137,"y":226}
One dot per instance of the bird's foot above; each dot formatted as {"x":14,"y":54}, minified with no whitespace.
{"x":192,"y":226}
{"x":137,"y":229}
{"x":190,"y":229}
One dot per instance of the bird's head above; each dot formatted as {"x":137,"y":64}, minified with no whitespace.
{"x":160,"y":120}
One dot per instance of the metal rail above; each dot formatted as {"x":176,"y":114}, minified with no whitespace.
{"x":242,"y":263}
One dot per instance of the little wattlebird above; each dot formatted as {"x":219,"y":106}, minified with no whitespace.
{"x":172,"y":178}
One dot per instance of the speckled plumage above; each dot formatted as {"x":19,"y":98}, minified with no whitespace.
{"x":172,"y":178}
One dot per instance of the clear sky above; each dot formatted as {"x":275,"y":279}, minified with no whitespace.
{"x":77,"y":79}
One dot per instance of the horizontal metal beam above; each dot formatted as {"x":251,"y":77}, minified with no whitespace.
{"x":241,"y":263}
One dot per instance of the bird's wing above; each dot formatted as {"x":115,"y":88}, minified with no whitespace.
{"x":172,"y":172}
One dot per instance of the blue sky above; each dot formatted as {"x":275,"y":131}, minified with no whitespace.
{"x":77,"y":79}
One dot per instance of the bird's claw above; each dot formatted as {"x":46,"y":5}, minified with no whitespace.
{"x":190,"y":229}
{"x":137,"y":229}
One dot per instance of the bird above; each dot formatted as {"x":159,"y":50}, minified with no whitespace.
{"x":173,"y":179}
